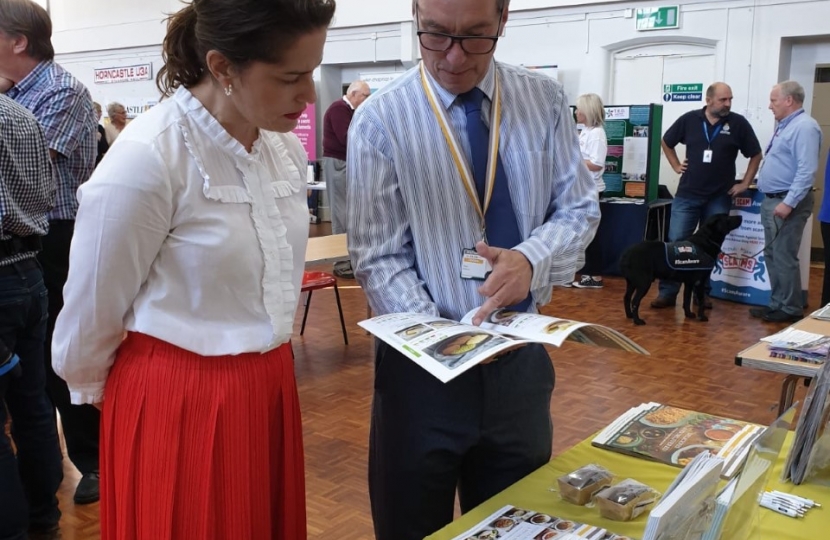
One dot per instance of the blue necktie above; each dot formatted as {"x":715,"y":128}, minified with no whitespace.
{"x":500,"y":220}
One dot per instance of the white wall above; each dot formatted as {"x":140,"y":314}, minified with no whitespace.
{"x":756,"y":42}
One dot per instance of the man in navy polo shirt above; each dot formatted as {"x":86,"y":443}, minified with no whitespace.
{"x":713,"y":137}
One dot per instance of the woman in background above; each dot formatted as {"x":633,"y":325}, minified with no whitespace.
{"x":103,"y":145}
{"x":117,"y":115}
{"x":594,"y":146}
{"x":191,"y":241}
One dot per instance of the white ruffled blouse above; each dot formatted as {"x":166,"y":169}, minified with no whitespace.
{"x":185,"y":236}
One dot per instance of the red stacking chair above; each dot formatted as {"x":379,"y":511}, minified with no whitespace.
{"x":313,"y":281}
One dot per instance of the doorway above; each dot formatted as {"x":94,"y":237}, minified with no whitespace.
{"x":640,"y":75}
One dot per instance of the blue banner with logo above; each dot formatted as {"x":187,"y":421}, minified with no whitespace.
{"x":740,"y":274}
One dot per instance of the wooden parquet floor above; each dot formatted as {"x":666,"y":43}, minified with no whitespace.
{"x":691,"y":365}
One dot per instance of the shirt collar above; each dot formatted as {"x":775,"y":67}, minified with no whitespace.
{"x":486,"y":85}
{"x":789,"y":118}
{"x":31,"y":79}
{"x":349,"y":103}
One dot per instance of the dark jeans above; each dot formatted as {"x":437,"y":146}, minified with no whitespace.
{"x":479,"y":433}
{"x":825,"y":239}
{"x":81,"y":423}
{"x":28,"y":482}
{"x":686,"y":215}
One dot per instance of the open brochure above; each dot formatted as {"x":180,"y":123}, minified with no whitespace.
{"x":511,"y":523}
{"x":448,"y":348}
{"x":675,"y":436}
{"x":822,"y":314}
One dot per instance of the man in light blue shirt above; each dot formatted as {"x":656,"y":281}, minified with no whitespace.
{"x":786,"y":179}
{"x":416,"y":205}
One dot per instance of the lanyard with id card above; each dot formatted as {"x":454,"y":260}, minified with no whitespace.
{"x":473,"y":265}
{"x":707,"y":154}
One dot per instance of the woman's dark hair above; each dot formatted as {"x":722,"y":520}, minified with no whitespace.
{"x":243,"y":31}
{"x":25,"y":18}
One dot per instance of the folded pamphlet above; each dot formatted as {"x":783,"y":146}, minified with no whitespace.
{"x":448,"y":348}
{"x":686,"y":509}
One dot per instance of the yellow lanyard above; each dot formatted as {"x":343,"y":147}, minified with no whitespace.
{"x":464,"y":169}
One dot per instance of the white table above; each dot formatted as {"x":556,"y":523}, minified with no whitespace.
{"x":326,"y":249}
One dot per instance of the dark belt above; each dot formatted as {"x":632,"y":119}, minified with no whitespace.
{"x":19,"y":244}
{"x":18,"y":267}
{"x":779,"y":195}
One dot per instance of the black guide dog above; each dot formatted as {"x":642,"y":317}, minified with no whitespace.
{"x":689,"y":262}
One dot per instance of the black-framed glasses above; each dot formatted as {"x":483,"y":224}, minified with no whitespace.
{"x":441,"y":42}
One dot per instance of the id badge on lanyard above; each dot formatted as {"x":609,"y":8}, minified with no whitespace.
{"x":707,"y":154}
{"x":473,"y":265}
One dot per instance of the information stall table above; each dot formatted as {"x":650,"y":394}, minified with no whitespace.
{"x":624,"y":224}
{"x":757,"y":357}
{"x":326,"y":249}
{"x":534,"y":492}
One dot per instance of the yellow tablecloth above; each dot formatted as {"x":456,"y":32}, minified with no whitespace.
{"x":534,"y":493}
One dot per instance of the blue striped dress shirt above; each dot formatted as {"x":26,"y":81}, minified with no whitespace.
{"x":410,"y":217}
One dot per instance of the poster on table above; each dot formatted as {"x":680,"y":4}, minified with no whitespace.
{"x":306,"y":131}
{"x":740,"y":272}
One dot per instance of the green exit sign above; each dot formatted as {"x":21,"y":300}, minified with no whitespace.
{"x":658,"y":18}
{"x":675,"y":88}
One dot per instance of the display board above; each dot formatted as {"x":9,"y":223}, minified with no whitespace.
{"x":632,"y":164}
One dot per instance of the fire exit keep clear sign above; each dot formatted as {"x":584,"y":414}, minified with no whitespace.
{"x":658,"y":18}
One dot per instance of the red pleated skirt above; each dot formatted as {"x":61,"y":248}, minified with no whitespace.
{"x":201,"y":448}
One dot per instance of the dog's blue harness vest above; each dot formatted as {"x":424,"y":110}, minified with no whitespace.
{"x":685,"y":255}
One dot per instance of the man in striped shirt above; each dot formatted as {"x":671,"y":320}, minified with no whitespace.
{"x":428,"y":182}
{"x":63,"y":106}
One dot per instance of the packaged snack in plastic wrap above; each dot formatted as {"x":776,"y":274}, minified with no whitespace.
{"x":626,"y":500}
{"x":579,"y":486}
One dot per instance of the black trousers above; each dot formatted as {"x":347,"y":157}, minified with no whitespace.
{"x":479,"y":433}
{"x":81,"y":423}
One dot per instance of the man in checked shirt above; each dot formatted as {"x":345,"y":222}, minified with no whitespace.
{"x":64,"y":109}
{"x":28,"y":482}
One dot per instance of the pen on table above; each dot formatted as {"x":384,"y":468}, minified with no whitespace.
{"x":807,"y":502}
{"x":779,"y":509}
{"x":785,"y":503}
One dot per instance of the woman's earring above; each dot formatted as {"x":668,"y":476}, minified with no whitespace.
{"x":228,"y":90}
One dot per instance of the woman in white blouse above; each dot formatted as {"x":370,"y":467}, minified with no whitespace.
{"x":594,"y":146}
{"x":185,"y":276}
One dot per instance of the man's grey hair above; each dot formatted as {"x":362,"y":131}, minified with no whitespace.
{"x":792,"y":89}
{"x":356,"y":86}
{"x":500,"y":5}
{"x":114,"y":107}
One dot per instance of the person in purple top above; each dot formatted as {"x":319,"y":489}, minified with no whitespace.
{"x":824,"y":220}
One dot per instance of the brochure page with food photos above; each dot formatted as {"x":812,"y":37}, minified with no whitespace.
{"x":546,"y":329}
{"x":511,"y":523}
{"x":447,"y":348}
{"x":676,"y":436}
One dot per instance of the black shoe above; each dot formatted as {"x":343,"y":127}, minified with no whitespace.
{"x":781,"y":316}
{"x":759,"y":312}
{"x":661,"y":302}
{"x":87,"y":491}
{"x":343,"y":269}
{"x":707,"y":302}
{"x":50,"y":533}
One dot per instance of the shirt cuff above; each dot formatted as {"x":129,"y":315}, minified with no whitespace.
{"x":534,"y":251}
{"x":88,"y":395}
